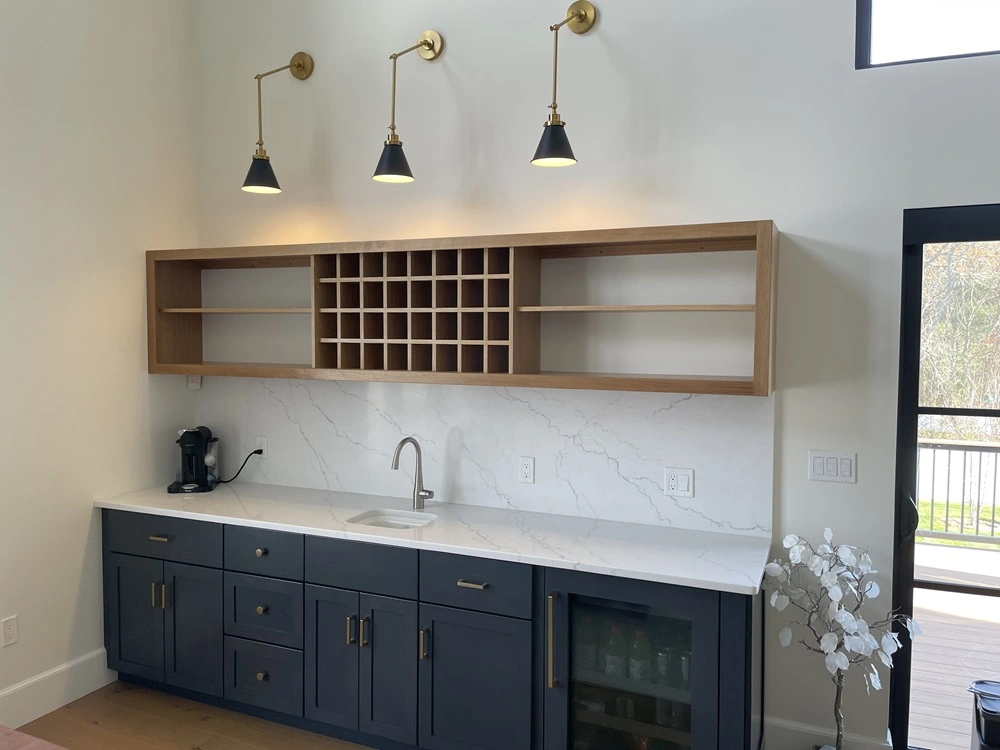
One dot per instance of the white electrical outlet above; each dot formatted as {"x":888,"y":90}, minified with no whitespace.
{"x":526,"y":470}
{"x":678,"y":482}
{"x":828,"y":466}
{"x":8,"y":629}
{"x":262,"y":446}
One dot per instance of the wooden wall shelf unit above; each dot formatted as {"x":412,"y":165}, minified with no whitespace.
{"x":462,"y":310}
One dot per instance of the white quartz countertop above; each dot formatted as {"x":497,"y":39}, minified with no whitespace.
{"x":701,"y":559}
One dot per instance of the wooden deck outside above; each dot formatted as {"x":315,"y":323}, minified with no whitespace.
{"x":954,"y":650}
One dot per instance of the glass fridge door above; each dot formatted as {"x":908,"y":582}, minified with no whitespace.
{"x":630,"y":677}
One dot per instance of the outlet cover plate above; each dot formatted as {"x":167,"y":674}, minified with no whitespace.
{"x":526,"y":470}
{"x":8,"y":630}
{"x":261,"y":445}
{"x":678,"y":482}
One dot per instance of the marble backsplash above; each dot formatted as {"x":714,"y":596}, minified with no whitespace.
{"x":597,"y":454}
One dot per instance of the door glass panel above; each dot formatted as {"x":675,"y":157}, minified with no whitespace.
{"x":960,"y":326}
{"x":630,"y":684}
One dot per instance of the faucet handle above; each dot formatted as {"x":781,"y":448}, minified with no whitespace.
{"x":426,"y":494}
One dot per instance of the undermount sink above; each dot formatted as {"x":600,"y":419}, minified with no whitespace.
{"x":387,"y":518}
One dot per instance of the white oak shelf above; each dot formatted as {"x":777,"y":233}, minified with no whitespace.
{"x":634,"y":308}
{"x":237,"y":310}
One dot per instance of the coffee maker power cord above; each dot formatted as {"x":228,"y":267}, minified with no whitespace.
{"x":255,"y":453}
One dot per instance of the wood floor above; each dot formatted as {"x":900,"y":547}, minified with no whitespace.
{"x":126,"y":717}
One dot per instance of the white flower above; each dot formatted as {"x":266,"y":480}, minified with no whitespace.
{"x":790,"y":541}
{"x":847,"y":621}
{"x":846,"y":555}
{"x":889,"y":644}
{"x":818,"y":565}
{"x":886,"y":659}
{"x":828,"y":535}
{"x":831,"y":613}
{"x":828,"y":580}
{"x":837,"y":660}
{"x":865,"y":564}
{"x":862,"y":626}
{"x":875,"y":680}
{"x":872,"y":590}
{"x":871,"y":640}
{"x":825,"y":549}
{"x":779,"y":601}
{"x":795,"y":554}
{"x":913,"y":627}
{"x":829,"y":642}
{"x":785,"y":636}
{"x":836,"y":593}
{"x":774,"y":570}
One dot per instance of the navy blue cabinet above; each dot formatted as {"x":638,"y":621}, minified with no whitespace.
{"x":387,"y":637}
{"x":163,"y":622}
{"x":475,"y":680}
{"x":332,"y":656}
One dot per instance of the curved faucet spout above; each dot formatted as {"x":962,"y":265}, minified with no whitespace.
{"x":419,"y":493}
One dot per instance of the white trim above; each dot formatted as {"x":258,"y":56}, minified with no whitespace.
{"x":54,"y":688}
{"x":783,"y":734}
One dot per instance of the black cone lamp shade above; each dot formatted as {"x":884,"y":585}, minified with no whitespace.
{"x":260,"y":178}
{"x":554,"y":149}
{"x":392,"y":166}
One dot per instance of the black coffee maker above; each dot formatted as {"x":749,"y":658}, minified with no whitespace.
{"x":199,"y":461}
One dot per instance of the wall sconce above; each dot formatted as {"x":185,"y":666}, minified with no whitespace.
{"x":260,"y":178}
{"x":392,"y":166}
{"x":554,"y":149}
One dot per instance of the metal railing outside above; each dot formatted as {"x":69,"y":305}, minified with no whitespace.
{"x":957,"y":491}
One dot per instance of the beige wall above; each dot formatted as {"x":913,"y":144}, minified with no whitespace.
{"x":95,"y":113}
{"x":679,"y":112}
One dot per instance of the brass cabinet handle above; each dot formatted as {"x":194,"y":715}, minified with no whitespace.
{"x":262,"y":609}
{"x":424,"y":632}
{"x":152,"y":592}
{"x":261,"y":676}
{"x":463,"y":584}
{"x":364,"y":641}
{"x":163,"y":595}
{"x":350,"y":629}
{"x":260,"y":551}
{"x":155,"y":538}
{"x":552,"y":682}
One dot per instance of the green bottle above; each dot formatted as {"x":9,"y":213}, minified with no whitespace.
{"x":616,"y":655}
{"x":640,"y":657}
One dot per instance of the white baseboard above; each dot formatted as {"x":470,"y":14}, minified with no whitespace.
{"x":44,"y":693}
{"x":782,"y":734}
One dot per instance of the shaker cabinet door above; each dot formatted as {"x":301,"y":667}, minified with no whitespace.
{"x":133,"y":615}
{"x":332,"y":656}
{"x":387,"y":636}
{"x":475,"y":680}
{"x":193,"y":628}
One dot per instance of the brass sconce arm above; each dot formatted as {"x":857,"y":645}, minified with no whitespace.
{"x":581,"y":17}
{"x":430,"y":46}
{"x":301,"y":66}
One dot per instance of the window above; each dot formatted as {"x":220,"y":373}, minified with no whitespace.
{"x":899,"y":31}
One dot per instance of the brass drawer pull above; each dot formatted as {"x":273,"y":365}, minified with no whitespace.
{"x":152,"y":593}
{"x":463,"y":584}
{"x":262,"y":609}
{"x":260,"y":551}
{"x":351,"y":638}
{"x":551,"y":682}
{"x":261,"y":676}
{"x":364,"y":640}
{"x":423,"y":643}
{"x":155,"y":538}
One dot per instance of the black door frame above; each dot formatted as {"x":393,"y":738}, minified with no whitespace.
{"x":920,"y":227}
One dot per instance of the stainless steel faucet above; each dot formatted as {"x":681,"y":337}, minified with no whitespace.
{"x":419,"y":493}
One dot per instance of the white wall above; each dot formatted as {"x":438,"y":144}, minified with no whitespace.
{"x":679,"y":112}
{"x":96,"y":111}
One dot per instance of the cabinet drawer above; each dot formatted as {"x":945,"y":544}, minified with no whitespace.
{"x":371,"y":568}
{"x":164,"y":537}
{"x":264,"y":609}
{"x":265,"y":553}
{"x":262,"y":675}
{"x":500,"y":588}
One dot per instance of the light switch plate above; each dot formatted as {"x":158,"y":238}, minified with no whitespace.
{"x":830,"y":466}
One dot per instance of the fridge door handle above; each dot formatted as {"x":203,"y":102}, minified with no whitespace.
{"x":550,"y":638}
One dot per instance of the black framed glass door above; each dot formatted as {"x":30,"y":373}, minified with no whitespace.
{"x":946,"y":570}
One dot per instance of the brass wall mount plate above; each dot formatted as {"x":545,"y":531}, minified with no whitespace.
{"x":301,"y":65}
{"x":585,"y":24}
{"x":437,"y":45}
